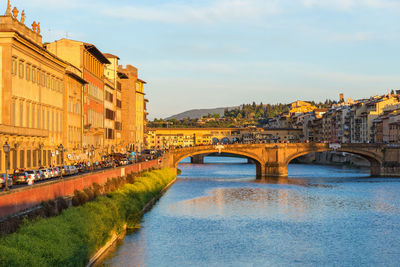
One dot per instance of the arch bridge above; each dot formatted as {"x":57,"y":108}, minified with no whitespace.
{"x":273,"y":159}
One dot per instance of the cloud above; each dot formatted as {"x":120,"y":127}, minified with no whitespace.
{"x":221,"y":10}
{"x":348,"y":5}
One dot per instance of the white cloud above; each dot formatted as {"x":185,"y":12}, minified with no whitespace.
{"x":221,"y":10}
{"x":349,"y":5}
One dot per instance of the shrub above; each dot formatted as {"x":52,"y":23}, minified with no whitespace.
{"x":89,"y":192}
{"x":62,"y":204}
{"x":49,"y":208}
{"x":97,"y":189}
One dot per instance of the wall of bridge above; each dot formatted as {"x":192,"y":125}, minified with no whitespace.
{"x":273,"y":159}
{"x":17,"y":200}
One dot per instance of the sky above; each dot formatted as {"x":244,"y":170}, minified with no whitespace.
{"x":207,"y":54}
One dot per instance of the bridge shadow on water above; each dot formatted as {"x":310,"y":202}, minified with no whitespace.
{"x":224,"y":169}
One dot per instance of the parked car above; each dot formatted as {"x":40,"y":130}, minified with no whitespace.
{"x":46,"y":173}
{"x":73,"y":170}
{"x":20,"y":177}
{"x":51,"y":173}
{"x":66,"y":170}
{"x":124,"y":162}
{"x":80,"y":168}
{"x":56,"y":172}
{"x":40,"y":175}
{"x":33,"y":175}
{"x":3,"y":180}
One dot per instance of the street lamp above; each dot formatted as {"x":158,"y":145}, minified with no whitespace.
{"x":6,"y":149}
{"x":61,"y":149}
{"x":16,"y":145}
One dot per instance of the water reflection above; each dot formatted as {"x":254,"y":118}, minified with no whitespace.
{"x":219,"y":215}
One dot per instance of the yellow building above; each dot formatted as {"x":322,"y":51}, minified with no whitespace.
{"x":31,"y":95}
{"x":140,"y":115}
{"x":127,"y":79}
{"x":73,"y":126}
{"x":113,"y":106}
{"x":300,"y":107}
{"x":164,"y":138}
{"x":91,"y":62}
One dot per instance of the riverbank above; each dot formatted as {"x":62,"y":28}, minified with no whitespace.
{"x":73,"y":237}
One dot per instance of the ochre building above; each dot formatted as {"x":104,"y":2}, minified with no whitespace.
{"x":31,"y":95}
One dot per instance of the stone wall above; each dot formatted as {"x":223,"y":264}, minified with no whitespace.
{"x":24,"y":198}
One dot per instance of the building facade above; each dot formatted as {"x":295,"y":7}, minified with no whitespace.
{"x":91,"y":62}
{"x":31,"y":95}
{"x":73,"y":122}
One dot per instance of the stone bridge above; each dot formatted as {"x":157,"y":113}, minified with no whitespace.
{"x":273,"y":159}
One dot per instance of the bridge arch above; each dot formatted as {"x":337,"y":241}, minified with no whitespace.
{"x":375,"y":161}
{"x":225,"y":140}
{"x":259,"y":162}
{"x":215,"y":140}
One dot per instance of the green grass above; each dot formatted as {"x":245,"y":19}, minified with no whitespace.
{"x":71,"y":238}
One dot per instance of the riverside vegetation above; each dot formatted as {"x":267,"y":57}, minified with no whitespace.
{"x":72,"y":237}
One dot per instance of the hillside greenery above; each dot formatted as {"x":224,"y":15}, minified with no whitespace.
{"x":242,"y":116}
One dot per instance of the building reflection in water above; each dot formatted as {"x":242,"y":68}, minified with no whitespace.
{"x":246,"y":201}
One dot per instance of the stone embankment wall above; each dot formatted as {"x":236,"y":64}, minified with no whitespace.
{"x":333,"y":158}
{"x":24,"y":198}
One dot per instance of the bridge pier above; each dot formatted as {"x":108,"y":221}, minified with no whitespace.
{"x":271,"y":170}
{"x":197,"y":159}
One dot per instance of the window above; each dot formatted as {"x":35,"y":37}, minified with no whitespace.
{"x":21,"y":69}
{"x":109,"y":133}
{"x":119,"y":103}
{"x":28,"y":72}
{"x":22,"y":159}
{"x":43,"y":119}
{"x":43,"y":78}
{"x":21,"y":114}
{"x":33,"y":116}
{"x":28,"y":159}
{"x":57,"y":125}
{"x":48,"y":120}
{"x":39,"y":115}
{"x":48,"y":81}
{"x":109,"y":96}
{"x":28,"y":107}
{"x":110,"y":114}
{"x":14,"y":66}
{"x":34,"y":74}
{"x":52,"y":121}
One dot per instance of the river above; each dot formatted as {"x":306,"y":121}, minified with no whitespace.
{"x":217,"y":214}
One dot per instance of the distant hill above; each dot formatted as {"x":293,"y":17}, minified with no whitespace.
{"x":199,"y":113}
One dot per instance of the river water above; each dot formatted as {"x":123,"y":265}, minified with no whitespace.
{"x":217,"y":214}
